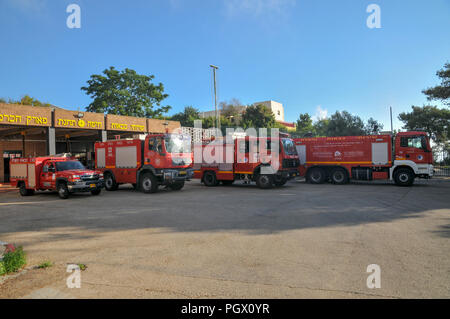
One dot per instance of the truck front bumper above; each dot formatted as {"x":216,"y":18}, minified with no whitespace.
{"x":177,"y":175}
{"x":80,"y":187}
{"x":288,"y":173}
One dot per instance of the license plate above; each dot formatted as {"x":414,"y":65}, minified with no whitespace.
{"x":93,"y":185}
{"x":182,"y":173}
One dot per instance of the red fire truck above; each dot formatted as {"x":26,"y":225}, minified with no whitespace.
{"x":63,"y":174}
{"x":159,"y":159}
{"x":246,"y":158}
{"x":401,"y":158}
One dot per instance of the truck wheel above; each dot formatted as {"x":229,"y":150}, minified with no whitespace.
{"x":227,"y":182}
{"x":96,"y":192}
{"x":339,"y":176}
{"x":148,"y":183}
{"x":24,"y":191}
{"x":209,"y":178}
{"x":280,"y":181}
{"x":264,"y":181}
{"x":110,"y":183}
{"x":63,"y":191}
{"x":404,"y":177}
{"x":316,"y":176}
{"x":177,"y":186}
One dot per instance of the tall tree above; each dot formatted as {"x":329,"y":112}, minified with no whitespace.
{"x":345,"y":124}
{"x":258,"y":116}
{"x":187,"y":117}
{"x":305,"y":125}
{"x":373,"y":127}
{"x":232,"y":110}
{"x":26,"y":100}
{"x":433,"y":120}
{"x":441,"y":92}
{"x":321,"y":127}
{"x":125,"y":93}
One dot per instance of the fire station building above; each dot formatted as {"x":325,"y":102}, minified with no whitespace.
{"x":38,"y":131}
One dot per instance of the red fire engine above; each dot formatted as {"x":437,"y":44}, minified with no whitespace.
{"x":246,"y":158}
{"x":159,"y":159}
{"x":401,"y":158}
{"x":63,"y":174}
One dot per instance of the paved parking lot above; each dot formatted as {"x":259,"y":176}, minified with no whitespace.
{"x":298,"y":241}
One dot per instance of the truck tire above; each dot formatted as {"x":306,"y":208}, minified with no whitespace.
{"x":264,"y":181}
{"x":24,"y":191}
{"x":280,"y":181}
{"x":176,"y":186}
{"x":404,"y":177}
{"x":96,"y":192}
{"x":63,"y":191}
{"x":209,"y":178}
{"x":110,"y":183}
{"x":148,"y":183}
{"x":316,"y":175}
{"x":339,"y":176}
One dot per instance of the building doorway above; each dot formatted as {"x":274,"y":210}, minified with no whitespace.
{"x":7,"y":156}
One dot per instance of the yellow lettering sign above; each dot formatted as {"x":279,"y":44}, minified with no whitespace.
{"x":137,"y":127}
{"x":119,"y":126}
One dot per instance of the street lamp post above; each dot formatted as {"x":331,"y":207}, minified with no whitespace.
{"x":214,"y":68}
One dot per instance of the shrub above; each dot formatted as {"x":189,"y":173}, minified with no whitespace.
{"x":13,"y":260}
{"x":45,"y":264}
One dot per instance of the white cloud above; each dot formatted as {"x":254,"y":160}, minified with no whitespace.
{"x":321,"y":114}
{"x":258,"y":7}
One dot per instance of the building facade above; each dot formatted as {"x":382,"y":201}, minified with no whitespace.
{"x":38,"y":131}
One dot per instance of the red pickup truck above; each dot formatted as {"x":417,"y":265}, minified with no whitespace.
{"x":64,"y":174}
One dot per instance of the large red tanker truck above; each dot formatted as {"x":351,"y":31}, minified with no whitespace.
{"x":400,"y":158}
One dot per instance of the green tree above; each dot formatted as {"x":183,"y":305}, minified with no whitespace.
{"x":345,"y":124}
{"x":232,"y":110}
{"x":305,"y":125}
{"x":125,"y":93}
{"x":187,"y":117}
{"x":25,"y":100}
{"x":373,"y":127}
{"x":258,"y":116}
{"x":433,"y":120}
{"x":321,"y":127}
{"x":208,"y":122}
{"x":440,"y":92}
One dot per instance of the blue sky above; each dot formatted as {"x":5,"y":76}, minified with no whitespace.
{"x":312,"y":56}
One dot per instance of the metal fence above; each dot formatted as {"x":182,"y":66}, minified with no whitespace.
{"x":441,"y":170}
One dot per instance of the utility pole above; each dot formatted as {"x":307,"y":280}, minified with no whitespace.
{"x":214,"y":68}
{"x":392,"y":126}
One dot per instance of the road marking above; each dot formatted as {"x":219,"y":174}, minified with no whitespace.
{"x":26,"y":203}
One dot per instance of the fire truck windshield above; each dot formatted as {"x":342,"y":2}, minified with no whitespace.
{"x":69,"y":166}
{"x":178,"y":143}
{"x":288,"y":146}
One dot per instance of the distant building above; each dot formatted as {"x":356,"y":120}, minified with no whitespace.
{"x":276,"y":108}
